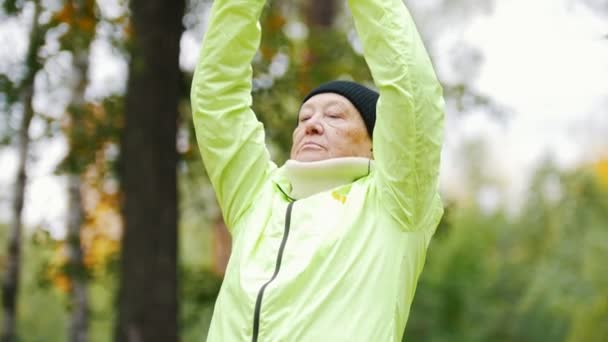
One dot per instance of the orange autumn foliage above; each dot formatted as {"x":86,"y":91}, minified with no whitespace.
{"x":101,"y":228}
{"x":80,"y":18}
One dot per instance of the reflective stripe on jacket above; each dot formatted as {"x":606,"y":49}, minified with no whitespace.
{"x":340,"y":265}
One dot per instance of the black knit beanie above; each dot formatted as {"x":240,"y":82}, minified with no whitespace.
{"x":363,"y":98}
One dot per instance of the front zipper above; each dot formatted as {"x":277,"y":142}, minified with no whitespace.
{"x":258,"y":302}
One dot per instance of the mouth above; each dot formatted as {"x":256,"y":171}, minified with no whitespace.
{"x":311,"y":146}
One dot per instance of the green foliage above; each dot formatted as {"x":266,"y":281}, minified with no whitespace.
{"x":12,"y":6}
{"x":91,"y":128}
{"x":538,"y":276}
{"x":8,"y":93}
{"x":7,"y":98}
{"x":36,"y":295}
{"x":198,"y":286}
{"x":198,"y":290}
{"x":43,"y":306}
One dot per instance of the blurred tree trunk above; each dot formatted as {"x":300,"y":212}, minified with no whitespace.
{"x":80,"y":17}
{"x":320,"y":16}
{"x":10,"y":285}
{"x":78,"y":291}
{"x":148,"y":307}
{"x":320,"y":13}
{"x":79,"y":317}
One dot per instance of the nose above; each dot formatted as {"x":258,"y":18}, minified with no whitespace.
{"x":313,"y":126}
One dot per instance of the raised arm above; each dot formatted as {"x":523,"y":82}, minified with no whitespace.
{"x":230,"y":137}
{"x":409,"y":127}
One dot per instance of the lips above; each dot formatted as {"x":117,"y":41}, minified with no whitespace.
{"x":311,"y":145}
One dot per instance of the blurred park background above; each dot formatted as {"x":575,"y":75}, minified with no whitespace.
{"x":109,"y":229}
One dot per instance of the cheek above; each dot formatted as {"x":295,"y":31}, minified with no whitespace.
{"x":357,"y":137}
{"x":348,"y":141}
{"x":296,"y":135}
{"x":357,"y":142}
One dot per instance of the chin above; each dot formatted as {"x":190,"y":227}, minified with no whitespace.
{"x":310,"y":157}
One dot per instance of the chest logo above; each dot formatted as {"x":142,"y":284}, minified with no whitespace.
{"x":339,"y":197}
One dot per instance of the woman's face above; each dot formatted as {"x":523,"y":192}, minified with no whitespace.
{"x":329,"y":126}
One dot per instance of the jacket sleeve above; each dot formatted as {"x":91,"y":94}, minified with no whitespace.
{"x":409,"y":127}
{"x":230,"y":137}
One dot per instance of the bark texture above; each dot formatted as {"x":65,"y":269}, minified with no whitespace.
{"x":148,"y":308}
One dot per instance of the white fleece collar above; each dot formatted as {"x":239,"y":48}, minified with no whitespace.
{"x":309,"y":178}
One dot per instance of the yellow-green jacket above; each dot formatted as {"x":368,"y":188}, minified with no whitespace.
{"x":341,"y":264}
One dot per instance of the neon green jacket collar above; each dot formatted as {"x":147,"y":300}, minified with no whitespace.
{"x":302,"y":179}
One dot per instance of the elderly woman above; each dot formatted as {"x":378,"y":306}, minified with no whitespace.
{"x":328,"y":247}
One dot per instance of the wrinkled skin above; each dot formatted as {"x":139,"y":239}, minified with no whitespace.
{"x":329,"y":126}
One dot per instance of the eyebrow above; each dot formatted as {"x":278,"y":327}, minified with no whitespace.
{"x":341,"y":104}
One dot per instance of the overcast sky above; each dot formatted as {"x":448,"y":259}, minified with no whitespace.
{"x":545,"y":61}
